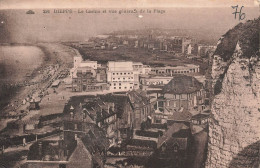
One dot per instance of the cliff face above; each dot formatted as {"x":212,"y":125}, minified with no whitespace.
{"x":234,"y":130}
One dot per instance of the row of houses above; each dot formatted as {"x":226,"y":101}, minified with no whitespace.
{"x":176,"y":44}
{"x":120,"y":75}
{"x":91,"y":125}
{"x":139,"y":123}
{"x":161,"y":43}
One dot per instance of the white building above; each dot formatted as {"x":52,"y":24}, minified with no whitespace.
{"x":189,"y":49}
{"x":171,"y":70}
{"x":78,"y":62}
{"x":155,"y":80}
{"x":120,"y":75}
{"x":146,"y":69}
{"x":138,"y":70}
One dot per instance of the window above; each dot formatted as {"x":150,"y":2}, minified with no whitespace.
{"x":123,"y":78}
{"x":168,"y":103}
{"x":114,"y":84}
{"x":124,"y":73}
{"x":125,"y":87}
{"x":117,"y":73}
{"x":119,"y":84}
{"x":119,"y":87}
{"x":62,"y":166}
{"x":175,"y":148}
{"x":118,"y":78}
{"x":113,"y":78}
{"x":114,"y":87}
{"x":174,"y":104}
{"x":120,"y":73}
{"x":113,"y":73}
{"x":164,"y":147}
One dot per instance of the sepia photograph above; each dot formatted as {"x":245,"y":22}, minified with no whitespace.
{"x":129,"y":84}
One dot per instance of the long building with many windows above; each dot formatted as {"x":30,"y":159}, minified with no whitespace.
{"x":171,"y":70}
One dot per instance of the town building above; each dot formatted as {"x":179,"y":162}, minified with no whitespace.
{"x":111,"y":113}
{"x":83,"y":79}
{"x":186,"y":42}
{"x":89,"y":79}
{"x":34,"y":104}
{"x":137,"y":70}
{"x":101,"y":75}
{"x":147,"y":80}
{"x":78,"y":62}
{"x":189,"y":49}
{"x":146,"y":69}
{"x":203,"y":49}
{"x":172,"y":70}
{"x":87,"y":151}
{"x":141,"y":107}
{"x":200,"y":119}
{"x":120,"y":75}
{"x":182,"y":93}
{"x":174,"y":147}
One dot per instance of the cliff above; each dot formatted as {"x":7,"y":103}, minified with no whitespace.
{"x":234,"y":130}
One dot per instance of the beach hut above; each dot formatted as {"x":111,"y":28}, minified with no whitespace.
{"x":34,"y":104}
{"x":55,"y":84}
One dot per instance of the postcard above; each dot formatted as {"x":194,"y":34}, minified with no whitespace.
{"x":129,"y":84}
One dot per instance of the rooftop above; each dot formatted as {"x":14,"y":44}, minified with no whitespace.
{"x":94,"y":108}
{"x":49,"y":151}
{"x":180,"y":116}
{"x":183,"y":85}
{"x":182,"y":133}
{"x":200,"y":116}
{"x":96,"y":141}
{"x":138,"y":98}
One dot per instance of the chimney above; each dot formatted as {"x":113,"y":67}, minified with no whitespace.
{"x":71,"y":112}
{"x":192,"y":79}
{"x":60,"y":142}
{"x":40,"y":149}
{"x":113,"y":106}
{"x":83,"y":115}
{"x":71,"y":115}
{"x":80,"y":105}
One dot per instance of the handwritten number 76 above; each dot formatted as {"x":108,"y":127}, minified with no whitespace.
{"x":241,"y":15}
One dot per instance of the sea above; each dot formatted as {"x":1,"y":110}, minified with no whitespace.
{"x":17,"y":62}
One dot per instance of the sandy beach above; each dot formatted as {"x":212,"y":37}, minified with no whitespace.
{"x":52,"y":58}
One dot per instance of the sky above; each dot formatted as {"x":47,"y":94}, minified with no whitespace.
{"x":32,"y":4}
{"x":206,"y":19}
